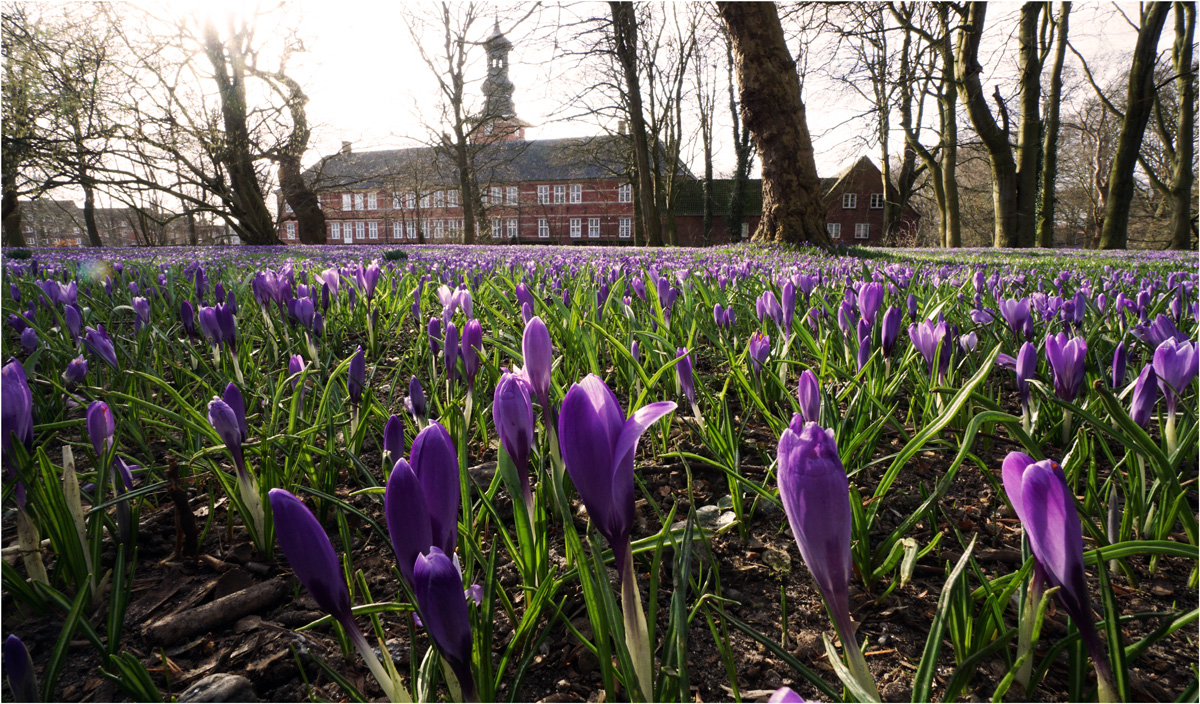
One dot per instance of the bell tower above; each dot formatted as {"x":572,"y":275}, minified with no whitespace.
{"x":498,"y":110}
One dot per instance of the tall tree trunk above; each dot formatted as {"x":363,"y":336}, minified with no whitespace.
{"x":1138,"y":103}
{"x":1045,"y":224}
{"x":1185,"y":130}
{"x":305,"y":203}
{"x":1029,"y":132}
{"x":708,"y":183}
{"x":248,"y":207}
{"x":14,"y":236}
{"x":792,"y":210}
{"x":995,"y":138}
{"x":625,"y":43}
{"x":191,"y":223}
{"x":89,"y":211}
{"x":948,"y":114}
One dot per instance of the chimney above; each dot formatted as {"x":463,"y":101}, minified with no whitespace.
{"x":346,"y":147}
{"x":621,"y":127}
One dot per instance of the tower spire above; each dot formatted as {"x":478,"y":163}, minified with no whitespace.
{"x":498,"y":111}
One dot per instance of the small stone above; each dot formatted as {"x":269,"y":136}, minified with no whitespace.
{"x":884,"y":640}
{"x":563,"y":685}
{"x":733,"y":594}
{"x":220,"y":687}
{"x":777,"y":560}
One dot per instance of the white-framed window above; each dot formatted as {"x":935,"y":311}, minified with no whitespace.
{"x":576,"y":227}
{"x":439,"y":199}
{"x":876,"y":201}
{"x":411,"y":228}
{"x":291,"y":230}
{"x":425,"y":201}
{"x":395,"y":201}
{"x":862,"y":231}
{"x":358,"y":201}
{"x":496,"y":227}
{"x":497,"y":195}
{"x":455,"y":227}
{"x":425,"y":229}
{"x":543,"y":195}
{"x":560,"y":195}
{"x":593,"y":227}
{"x":512,"y":227}
{"x":373,"y":230}
{"x":512,"y":195}
{"x":372,"y":201}
{"x":347,"y":204}
{"x":335,"y":230}
{"x":625,"y":193}
{"x":347,"y":232}
{"x":834,"y":230}
{"x":410,"y":200}
{"x":849,"y":201}
{"x":360,"y":230}
{"x":439,"y":229}
{"x":625,"y":228}
{"x":452,"y":199}
{"x":543,"y":228}
{"x":576,"y":193}
{"x":397,"y":233}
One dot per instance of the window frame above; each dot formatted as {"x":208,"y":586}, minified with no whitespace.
{"x":373,"y":230}
{"x":452,"y":199}
{"x":593,"y":228}
{"x":439,"y":229}
{"x":347,"y":202}
{"x":625,"y":228}
{"x":497,"y":195}
{"x":511,"y":228}
{"x":497,"y":226}
{"x":543,"y":228}
{"x":358,"y":201}
{"x":290,"y":229}
{"x":372,"y":201}
{"x":876,"y":202}
{"x":849,"y":201}
{"x":575,"y":194}
{"x":834,"y":230}
{"x":625,"y":193}
{"x":512,"y":195}
{"x":865,"y":228}
{"x":439,"y":199}
{"x":560,"y":194}
{"x":576,"y":228}
{"x":543,"y":195}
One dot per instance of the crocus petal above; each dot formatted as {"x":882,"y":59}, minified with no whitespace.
{"x":309,"y":552}
{"x":407,"y":517}
{"x":1012,"y":472}
{"x":439,"y":591}
{"x":785,"y":695}
{"x":435,"y":462}
{"x":1055,"y":536}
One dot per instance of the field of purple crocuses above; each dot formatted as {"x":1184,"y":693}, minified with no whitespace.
{"x":599,"y":474}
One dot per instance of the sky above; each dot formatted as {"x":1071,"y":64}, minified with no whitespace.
{"x":368,"y":85}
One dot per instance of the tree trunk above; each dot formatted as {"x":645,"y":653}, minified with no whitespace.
{"x":89,"y":212}
{"x":792,"y":210}
{"x":1029,"y":132}
{"x":1045,"y":225}
{"x":305,"y":203}
{"x":995,"y":139}
{"x":625,"y":44}
{"x":708,"y":181}
{"x":248,"y":207}
{"x":192,"y":237}
{"x":1139,"y":101}
{"x":1185,"y":130}
{"x":14,"y":236}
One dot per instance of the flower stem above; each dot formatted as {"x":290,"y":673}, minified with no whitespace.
{"x":392,"y":688}
{"x":637,"y":636}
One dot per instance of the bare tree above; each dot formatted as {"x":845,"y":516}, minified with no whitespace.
{"x":793,"y":210}
{"x":1049,"y":172}
{"x":1184,"y":175}
{"x":625,"y":46}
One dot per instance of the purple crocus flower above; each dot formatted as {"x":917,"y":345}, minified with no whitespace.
{"x":187,"y":316}
{"x":1045,"y":505}
{"x":414,"y":403}
{"x":891,"y":330}
{"x":296,"y":364}
{"x":472,"y":349}
{"x":512,"y":414}
{"x":1015,"y":313}
{"x":719,"y":315}
{"x":356,"y":376}
{"x":228,"y":324}
{"x":18,"y":666}
{"x":29,"y":340}
{"x":15,"y":292}
{"x":233,"y":397}
{"x":785,"y":695}
{"x":1120,"y":359}
{"x":224,"y":419}
{"x":789,"y":306}
{"x":435,"y":335}
{"x":101,"y":427}
{"x":809,"y":395}
{"x":438,"y":587}
{"x":393,"y":440}
{"x":1175,"y":364}
{"x":421,"y":500}
{"x":683,"y":372}
{"x":816,"y":498}
{"x":73,"y":320}
{"x":538,"y":354}
{"x":524,"y":297}
{"x":598,"y":445}
{"x":1145,"y":395}
{"x":368,"y":278}
{"x":928,"y":337}
{"x":76,"y":371}
{"x":1068,"y":362}
{"x":450,"y":356}
{"x":308,"y":550}
{"x":16,"y":411}
{"x":870,"y":298}
{"x":911,"y":303}
{"x":141,"y":306}
{"x":1026,"y":368}
{"x":760,"y":349}
{"x":210,"y":327}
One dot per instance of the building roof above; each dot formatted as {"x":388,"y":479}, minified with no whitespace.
{"x":576,"y":158}
{"x":691,"y":196}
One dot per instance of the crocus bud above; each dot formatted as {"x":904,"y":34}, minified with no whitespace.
{"x":308,"y":550}
{"x":1174,"y":363}
{"x":414,"y":403}
{"x":635,"y":351}
{"x":1120,"y":359}
{"x":18,"y":666}
{"x":356,"y":375}
{"x":1145,"y":395}
{"x":472,"y":349}
{"x":1026,"y":368}
{"x":538,"y":353}
{"x":76,"y":371}
{"x":891,"y":330}
{"x":809,"y":395}
{"x":451,"y":353}
{"x":393,"y":440}
{"x":912,"y":308}
{"x":141,"y":306}
{"x":73,"y":320}
{"x":187,"y":317}
{"x":870,"y":298}
{"x":16,"y":411}
{"x":209,"y":326}
{"x":1068,"y":360}
{"x":224,"y":420}
{"x":435,"y":463}
{"x":438,"y":587}
{"x":760,"y":349}
{"x":435,"y":335}
{"x":29,"y":340}
{"x":512,"y":414}
{"x":101,"y":427}
{"x":233,"y":397}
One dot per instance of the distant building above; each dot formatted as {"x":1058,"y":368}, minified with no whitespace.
{"x":60,"y":223}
